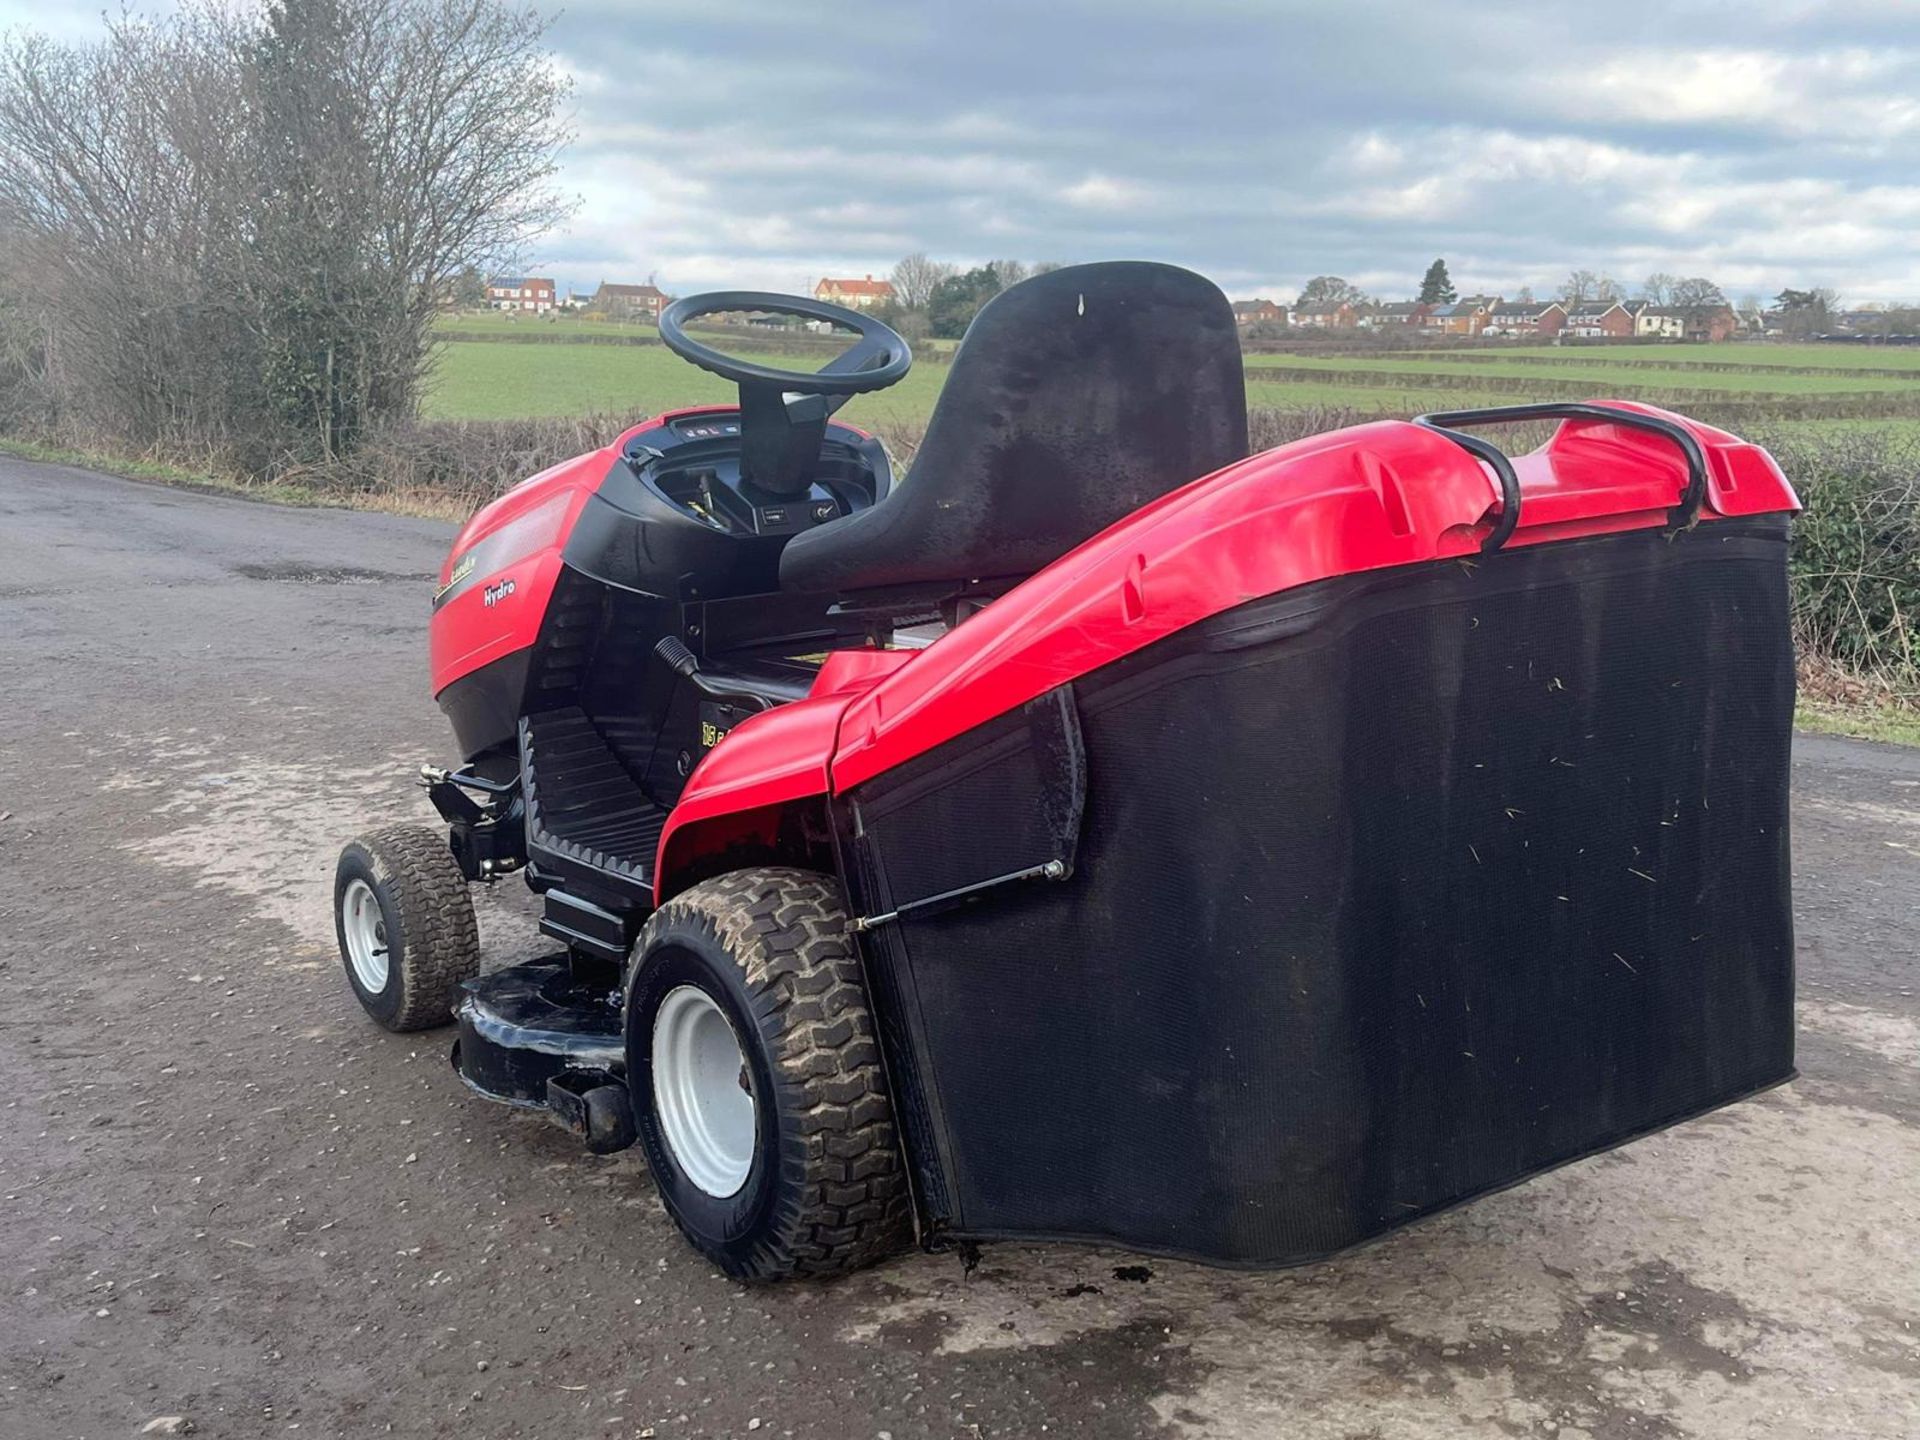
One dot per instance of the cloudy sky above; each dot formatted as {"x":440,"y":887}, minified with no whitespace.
{"x":764,"y":142}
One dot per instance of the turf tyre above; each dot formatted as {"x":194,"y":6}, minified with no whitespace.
{"x":426,"y":914}
{"x":826,"y":1191}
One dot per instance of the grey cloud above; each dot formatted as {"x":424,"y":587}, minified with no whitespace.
{"x":1763,"y":142}
{"x":1259,"y":143}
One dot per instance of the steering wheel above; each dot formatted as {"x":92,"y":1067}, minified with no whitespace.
{"x":783,"y":413}
{"x":877,"y":359}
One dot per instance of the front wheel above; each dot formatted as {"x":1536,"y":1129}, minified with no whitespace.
{"x":405,"y":923}
{"x":757,"y":1085}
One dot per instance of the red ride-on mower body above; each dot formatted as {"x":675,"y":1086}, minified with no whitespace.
{"x":1105,"y":834}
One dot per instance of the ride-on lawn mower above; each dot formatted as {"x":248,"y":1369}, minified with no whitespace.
{"x":1103,"y":834}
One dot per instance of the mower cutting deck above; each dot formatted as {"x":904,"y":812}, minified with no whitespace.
{"x":1265,"y":852}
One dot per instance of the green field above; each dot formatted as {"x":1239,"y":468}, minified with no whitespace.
{"x":503,"y":322}
{"x":1741,"y":384}
{"x":483,"y":381}
{"x":584,"y":326}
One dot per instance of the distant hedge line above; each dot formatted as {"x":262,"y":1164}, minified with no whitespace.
{"x":1737,"y":408}
{"x":1637,"y":365}
{"x":1855,"y":561}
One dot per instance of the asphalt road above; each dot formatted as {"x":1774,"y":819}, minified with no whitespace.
{"x":227,"y":1196}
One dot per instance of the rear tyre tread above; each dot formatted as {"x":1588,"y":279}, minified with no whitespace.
{"x":438,"y":942}
{"x":842,"y":1199}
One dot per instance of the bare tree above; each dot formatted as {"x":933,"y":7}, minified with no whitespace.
{"x":1698,"y":300}
{"x":916,"y":278}
{"x":1585,"y":287}
{"x":232,"y":227}
{"x":1330,"y":290}
{"x":1009,"y":272}
{"x":116,"y":162}
{"x":1657,"y":288}
{"x":403,"y":141}
{"x":1901,"y":318}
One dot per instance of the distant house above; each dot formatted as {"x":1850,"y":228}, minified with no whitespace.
{"x":1323,"y":317}
{"x":1711,"y":325}
{"x":1397,"y":313}
{"x":1599,"y":320}
{"x":519,"y":292}
{"x":1526,"y":319}
{"x":1258,"y":312}
{"x":854,"y":294}
{"x":1462,"y":317}
{"x":1685,"y":322}
{"x":1658,"y":322}
{"x":629,"y":302}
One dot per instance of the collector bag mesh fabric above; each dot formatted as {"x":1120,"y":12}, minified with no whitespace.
{"x":1391,"y":891}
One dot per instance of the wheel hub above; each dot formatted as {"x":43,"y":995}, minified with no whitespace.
{"x":365,"y":928}
{"x":702,"y":1092}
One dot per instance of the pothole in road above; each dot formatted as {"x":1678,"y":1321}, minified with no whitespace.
{"x":294,"y":572}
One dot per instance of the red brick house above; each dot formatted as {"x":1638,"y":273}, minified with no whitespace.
{"x":854,"y":294}
{"x":1324,"y":317}
{"x":629,"y":302}
{"x":1398,"y":312}
{"x":1527,"y":318}
{"x":1711,"y":326}
{"x":1258,"y":312}
{"x":1599,"y":320}
{"x":518,"y":292}
{"x":1463,"y":317}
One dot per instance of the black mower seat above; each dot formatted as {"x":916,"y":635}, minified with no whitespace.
{"x":1076,"y":397}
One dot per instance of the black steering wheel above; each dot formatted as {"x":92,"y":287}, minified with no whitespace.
{"x":783,"y":413}
{"x":877,"y":359}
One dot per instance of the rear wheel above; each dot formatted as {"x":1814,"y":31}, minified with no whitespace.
{"x":757,"y":1086}
{"x":405,"y":924}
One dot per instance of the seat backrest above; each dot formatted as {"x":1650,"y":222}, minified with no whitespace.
{"x":1075,"y":398}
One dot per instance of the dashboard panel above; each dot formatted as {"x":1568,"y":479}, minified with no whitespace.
{"x":693,"y":462}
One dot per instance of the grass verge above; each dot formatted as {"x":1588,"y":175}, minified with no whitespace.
{"x":1888,"y":724}
{"x":411,"y":500}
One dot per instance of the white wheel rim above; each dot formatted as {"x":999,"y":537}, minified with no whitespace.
{"x":365,"y":929}
{"x":700,"y":1092}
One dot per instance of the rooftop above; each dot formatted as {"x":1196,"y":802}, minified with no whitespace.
{"x":868,"y":286}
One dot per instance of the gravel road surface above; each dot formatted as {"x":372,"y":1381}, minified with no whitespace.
{"x":226,"y":1196}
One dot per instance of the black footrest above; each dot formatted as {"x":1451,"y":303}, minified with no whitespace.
{"x":583,"y":807}
{"x":584,"y":927}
